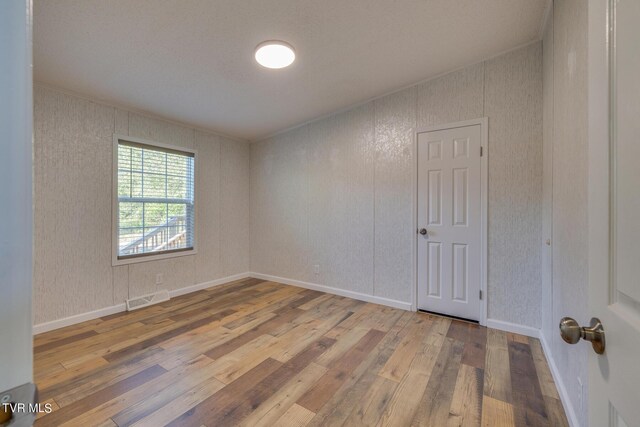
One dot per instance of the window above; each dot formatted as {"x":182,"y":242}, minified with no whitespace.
{"x":154,"y":207}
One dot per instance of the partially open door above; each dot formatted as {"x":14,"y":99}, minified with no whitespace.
{"x":16,"y":112}
{"x":614,"y":210}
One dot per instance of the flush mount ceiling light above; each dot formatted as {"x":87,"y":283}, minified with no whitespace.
{"x":275,"y":54}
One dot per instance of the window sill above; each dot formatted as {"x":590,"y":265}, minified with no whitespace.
{"x":147,"y":258}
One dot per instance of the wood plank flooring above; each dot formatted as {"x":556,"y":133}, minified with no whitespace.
{"x":257,"y":353}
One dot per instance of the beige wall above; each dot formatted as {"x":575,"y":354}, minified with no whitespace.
{"x":565,"y":71}
{"x":338,"y":192}
{"x":73,"y":139}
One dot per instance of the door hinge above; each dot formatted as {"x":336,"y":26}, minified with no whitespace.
{"x":480,"y":293}
{"x":481,"y":150}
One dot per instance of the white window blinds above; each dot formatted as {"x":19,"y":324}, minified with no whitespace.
{"x":155,"y":200}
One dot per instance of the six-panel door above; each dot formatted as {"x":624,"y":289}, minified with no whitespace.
{"x":449,"y":208}
{"x":614,"y":209}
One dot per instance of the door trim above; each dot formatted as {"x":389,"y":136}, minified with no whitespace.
{"x":484,"y":211}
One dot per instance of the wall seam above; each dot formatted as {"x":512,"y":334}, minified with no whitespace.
{"x":308,"y":193}
{"x":414,"y":185}
{"x":113,"y":271}
{"x":128,"y":265}
{"x":488,"y":226}
{"x":375,"y":187}
{"x":484,"y":87}
{"x":218,"y":207}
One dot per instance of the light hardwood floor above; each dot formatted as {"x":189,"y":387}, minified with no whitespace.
{"x":258,"y":353}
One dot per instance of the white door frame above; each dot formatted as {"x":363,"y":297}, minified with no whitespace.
{"x":16,"y":169}
{"x":484,"y":211}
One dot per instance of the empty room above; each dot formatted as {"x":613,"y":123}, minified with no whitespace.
{"x":319,"y":213}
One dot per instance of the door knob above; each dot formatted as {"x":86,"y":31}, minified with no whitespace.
{"x":571,"y":332}
{"x":423,"y":231}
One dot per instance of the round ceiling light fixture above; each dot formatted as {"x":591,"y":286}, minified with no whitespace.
{"x":275,"y":54}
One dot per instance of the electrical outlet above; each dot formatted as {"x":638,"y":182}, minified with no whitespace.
{"x":316,"y":269}
{"x":159,"y":278}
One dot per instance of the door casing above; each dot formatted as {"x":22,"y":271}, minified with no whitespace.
{"x":484,"y":176}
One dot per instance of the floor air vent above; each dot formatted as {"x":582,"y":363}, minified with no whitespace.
{"x":147,"y":300}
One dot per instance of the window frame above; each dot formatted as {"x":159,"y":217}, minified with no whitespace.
{"x":115,"y":214}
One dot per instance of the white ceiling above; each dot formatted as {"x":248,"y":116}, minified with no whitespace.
{"x":192,"y":60}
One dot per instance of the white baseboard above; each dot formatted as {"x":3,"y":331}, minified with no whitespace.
{"x":83,"y":317}
{"x":106,"y":311}
{"x":513,"y":327}
{"x":336,"y":291}
{"x":78,"y":318}
{"x":210,"y":284}
{"x":562,"y":390}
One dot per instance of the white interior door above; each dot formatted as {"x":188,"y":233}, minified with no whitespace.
{"x":16,"y":112}
{"x":614,"y":210}
{"x":449,"y":221}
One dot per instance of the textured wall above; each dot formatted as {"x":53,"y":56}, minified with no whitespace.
{"x":566,"y":64}
{"x":72,"y":210}
{"x":394,"y":193}
{"x":339,"y":192}
{"x":548,"y":325}
{"x":454,"y":97}
{"x":513,"y":103}
{"x":340,"y":164}
{"x":279,"y":206}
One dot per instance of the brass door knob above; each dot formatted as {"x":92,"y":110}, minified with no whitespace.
{"x":571,"y":332}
